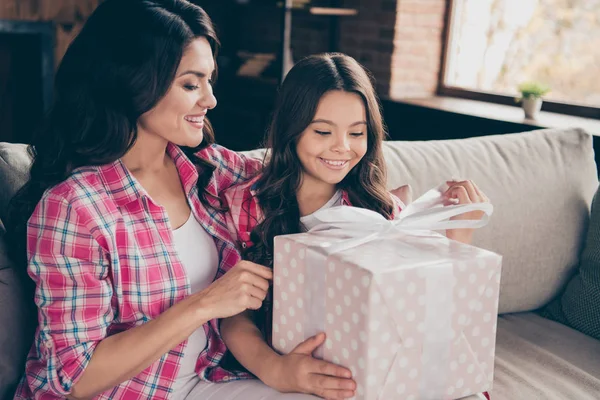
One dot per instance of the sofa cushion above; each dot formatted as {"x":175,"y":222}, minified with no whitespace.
{"x":579,"y":305}
{"x":541,"y":184}
{"x":539,"y":359}
{"x":14,"y":172}
{"x":17,"y":319}
{"x":17,"y":313}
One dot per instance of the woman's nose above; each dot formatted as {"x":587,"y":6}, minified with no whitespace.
{"x":208,"y":100}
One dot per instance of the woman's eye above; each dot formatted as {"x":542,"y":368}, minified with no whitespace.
{"x":191,"y":87}
{"x":323,"y":133}
{"x":357,"y":134}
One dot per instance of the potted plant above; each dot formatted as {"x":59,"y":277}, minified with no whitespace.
{"x":531,"y":97}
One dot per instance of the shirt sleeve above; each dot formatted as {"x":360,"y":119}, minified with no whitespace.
{"x":73,"y":295}
{"x":398,"y":206}
{"x":231,"y":168}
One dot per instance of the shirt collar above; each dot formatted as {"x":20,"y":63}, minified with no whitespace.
{"x":124,"y":188}
{"x":254,"y":187}
{"x":345,"y":199}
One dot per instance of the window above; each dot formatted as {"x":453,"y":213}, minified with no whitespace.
{"x":494,"y":45}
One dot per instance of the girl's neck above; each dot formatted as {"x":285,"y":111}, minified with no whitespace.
{"x":313,"y":195}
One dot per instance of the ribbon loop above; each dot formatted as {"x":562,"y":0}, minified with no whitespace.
{"x":425,"y":213}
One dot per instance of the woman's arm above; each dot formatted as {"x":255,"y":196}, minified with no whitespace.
{"x":232,"y":168}
{"x":74,"y":293}
{"x":121,"y":357}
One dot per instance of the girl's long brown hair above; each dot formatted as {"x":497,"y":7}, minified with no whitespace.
{"x":299,"y":96}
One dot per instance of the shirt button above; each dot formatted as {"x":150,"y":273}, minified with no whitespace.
{"x":244,"y":245}
{"x":48,"y":344}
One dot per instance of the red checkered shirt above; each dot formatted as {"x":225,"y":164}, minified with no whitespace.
{"x":101,"y":254}
{"x":243,"y":216}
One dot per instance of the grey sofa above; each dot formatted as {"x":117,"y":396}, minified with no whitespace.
{"x":541,"y":184}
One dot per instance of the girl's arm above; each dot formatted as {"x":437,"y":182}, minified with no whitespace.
{"x":297,"y":371}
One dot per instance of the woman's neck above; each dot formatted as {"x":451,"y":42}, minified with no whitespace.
{"x":147,"y":156}
{"x":313,"y":195}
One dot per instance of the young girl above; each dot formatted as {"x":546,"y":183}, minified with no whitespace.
{"x":326,"y":150}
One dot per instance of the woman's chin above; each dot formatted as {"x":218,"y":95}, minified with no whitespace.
{"x":192,"y":140}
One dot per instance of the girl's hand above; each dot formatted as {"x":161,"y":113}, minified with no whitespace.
{"x":300,"y":372}
{"x":464,"y":192}
{"x":404,"y":193}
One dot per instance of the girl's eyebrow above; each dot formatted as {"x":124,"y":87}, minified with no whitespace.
{"x":333,"y":124}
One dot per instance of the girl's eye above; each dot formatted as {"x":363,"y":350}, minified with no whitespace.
{"x":191,"y":87}
{"x":357,"y":134}
{"x":323,"y":133}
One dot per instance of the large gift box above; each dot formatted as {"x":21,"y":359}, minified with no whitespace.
{"x":411,"y":313}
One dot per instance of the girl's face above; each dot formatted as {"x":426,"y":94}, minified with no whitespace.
{"x":336,"y":139}
{"x":179,"y":116}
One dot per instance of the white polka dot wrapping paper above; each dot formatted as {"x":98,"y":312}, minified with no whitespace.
{"x":411,"y":313}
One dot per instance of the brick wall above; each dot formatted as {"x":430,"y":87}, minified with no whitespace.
{"x":310,"y":35}
{"x":369,"y":37}
{"x":399,"y":41}
{"x":418,"y":46}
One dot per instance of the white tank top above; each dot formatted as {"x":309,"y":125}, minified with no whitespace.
{"x":198,"y":254}
{"x":309,"y":221}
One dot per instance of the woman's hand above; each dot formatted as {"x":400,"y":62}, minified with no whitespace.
{"x":243,"y":287}
{"x":463,"y":192}
{"x":300,"y":372}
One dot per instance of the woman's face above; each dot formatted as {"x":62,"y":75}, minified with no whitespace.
{"x":336,"y":139}
{"x":179,"y":116}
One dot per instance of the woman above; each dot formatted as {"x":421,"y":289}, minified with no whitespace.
{"x":124,"y":176}
{"x":326,"y":142}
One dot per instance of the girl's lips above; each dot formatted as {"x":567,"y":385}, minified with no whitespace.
{"x":334,"y":164}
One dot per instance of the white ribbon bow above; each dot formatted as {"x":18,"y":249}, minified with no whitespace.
{"x":425,"y":213}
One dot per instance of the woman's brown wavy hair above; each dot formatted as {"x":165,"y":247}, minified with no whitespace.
{"x":298,"y":98}
{"x":119,"y":66}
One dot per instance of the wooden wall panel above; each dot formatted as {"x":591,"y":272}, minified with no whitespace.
{"x":6,"y":96}
{"x":68,"y":15}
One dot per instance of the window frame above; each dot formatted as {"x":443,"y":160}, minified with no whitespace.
{"x":443,"y":89}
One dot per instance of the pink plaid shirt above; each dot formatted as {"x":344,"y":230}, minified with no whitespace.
{"x":243,"y":216}
{"x":101,"y":254}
